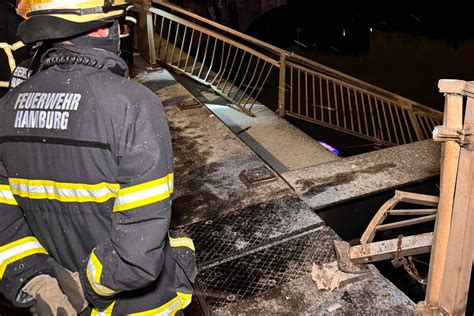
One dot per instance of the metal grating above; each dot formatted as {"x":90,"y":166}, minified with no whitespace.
{"x":255,"y":225}
{"x":258,"y":272}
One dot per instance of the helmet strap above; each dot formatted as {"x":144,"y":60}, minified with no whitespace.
{"x":110,"y":43}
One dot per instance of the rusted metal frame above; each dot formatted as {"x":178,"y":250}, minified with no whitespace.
{"x":175,"y":44}
{"x":390,"y":139}
{"x":342,"y":105}
{"x":161,"y":36}
{"x":182,"y":45}
{"x":408,"y":222}
{"x":256,"y":84}
{"x":449,"y":182}
{"x":260,"y":90}
{"x":389,"y":249}
{"x":406,"y":212}
{"x":379,"y":217}
{"x":225,"y":65}
{"x":336,"y":103}
{"x":230,"y":70}
{"x":220,"y":66}
{"x":197,"y":52}
{"x":243,"y":78}
{"x":189,"y":50}
{"x":250,"y":81}
{"x":380,"y":124}
{"x":237,"y":73}
{"x":212,"y":60}
{"x":344,"y":130}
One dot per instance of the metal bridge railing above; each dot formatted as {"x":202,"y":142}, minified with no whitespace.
{"x":238,"y":66}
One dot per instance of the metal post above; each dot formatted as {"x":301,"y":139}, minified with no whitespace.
{"x":460,"y":247}
{"x":151,"y":38}
{"x":282,"y":86}
{"x":453,"y":90}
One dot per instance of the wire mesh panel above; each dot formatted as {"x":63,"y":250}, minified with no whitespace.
{"x":261,"y":271}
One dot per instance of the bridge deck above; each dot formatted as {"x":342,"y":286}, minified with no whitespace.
{"x":256,"y":243}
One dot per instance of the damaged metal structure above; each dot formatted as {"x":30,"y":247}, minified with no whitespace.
{"x":250,"y":212}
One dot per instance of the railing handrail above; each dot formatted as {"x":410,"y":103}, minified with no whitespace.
{"x":303,"y":60}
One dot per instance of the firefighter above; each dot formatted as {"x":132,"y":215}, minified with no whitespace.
{"x":86,"y":177}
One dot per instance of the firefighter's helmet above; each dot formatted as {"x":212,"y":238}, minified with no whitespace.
{"x":58,"y":19}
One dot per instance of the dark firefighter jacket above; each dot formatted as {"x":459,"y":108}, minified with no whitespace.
{"x":86,"y":178}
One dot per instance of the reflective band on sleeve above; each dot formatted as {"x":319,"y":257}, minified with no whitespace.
{"x":37,"y":5}
{"x":144,"y":194}
{"x":4,"y":84}
{"x":17,"y":45}
{"x":182,"y":242}
{"x":63,"y":192}
{"x":106,"y":312}
{"x":18,"y":250}
{"x":94,"y":272}
{"x":6,"y":195}
{"x":11,"y":59}
{"x":170,"y":308}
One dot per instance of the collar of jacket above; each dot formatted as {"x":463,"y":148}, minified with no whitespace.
{"x":108,"y":60}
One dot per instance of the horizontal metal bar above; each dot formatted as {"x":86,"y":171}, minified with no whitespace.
{"x":408,"y":222}
{"x":428,"y":211}
{"x":388,"y":249}
{"x":311,"y":120}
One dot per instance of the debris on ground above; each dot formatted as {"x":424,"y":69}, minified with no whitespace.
{"x":328,"y":276}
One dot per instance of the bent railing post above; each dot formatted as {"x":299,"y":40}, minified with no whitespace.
{"x":282,"y":86}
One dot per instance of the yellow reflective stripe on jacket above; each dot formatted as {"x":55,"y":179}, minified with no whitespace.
{"x":94,"y":272}
{"x":9,"y":49}
{"x":170,"y":308}
{"x":182,"y":242}
{"x":144,"y":194}
{"x":9,"y":52}
{"x":18,"y":250}
{"x":6,"y":195}
{"x":63,"y":192}
{"x":106,"y":312}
